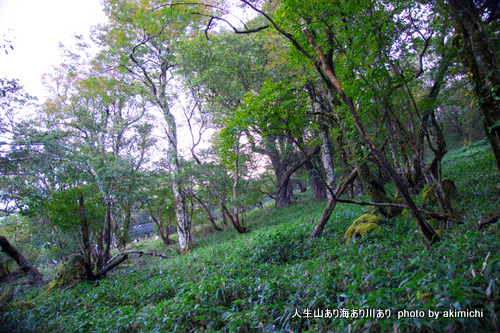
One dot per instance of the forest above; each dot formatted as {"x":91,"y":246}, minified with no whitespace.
{"x":308,"y":166}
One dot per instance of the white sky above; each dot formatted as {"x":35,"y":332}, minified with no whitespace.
{"x":35,"y":29}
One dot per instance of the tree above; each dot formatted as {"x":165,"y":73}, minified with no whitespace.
{"x":157,"y":196}
{"x":108,"y":136}
{"x":307,"y":29}
{"x":141,"y":41}
{"x":275,"y":122}
{"x":480,"y":57}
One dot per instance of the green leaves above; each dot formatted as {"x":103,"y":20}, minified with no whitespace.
{"x":63,"y":208}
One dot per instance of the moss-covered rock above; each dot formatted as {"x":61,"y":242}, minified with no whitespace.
{"x":364,"y":225}
{"x":449,"y":188}
{"x":428,"y":198}
{"x":70,"y":272}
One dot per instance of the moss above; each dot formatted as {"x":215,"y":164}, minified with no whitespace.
{"x":70,"y":272}
{"x":428,"y":198}
{"x":363,"y":226}
{"x":439,"y":232}
{"x":449,"y":188}
{"x":395,"y":211}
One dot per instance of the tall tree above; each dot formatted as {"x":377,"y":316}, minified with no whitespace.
{"x":480,"y":57}
{"x":141,"y":40}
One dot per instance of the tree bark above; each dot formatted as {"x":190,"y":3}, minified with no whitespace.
{"x":332,"y":203}
{"x":89,"y":275}
{"x":183,"y":227}
{"x":31,"y":272}
{"x":327,"y":160}
{"x":479,"y":56}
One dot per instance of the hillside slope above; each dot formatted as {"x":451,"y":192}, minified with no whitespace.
{"x":273,"y":280}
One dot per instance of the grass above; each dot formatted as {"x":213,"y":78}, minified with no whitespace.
{"x":262,"y":281}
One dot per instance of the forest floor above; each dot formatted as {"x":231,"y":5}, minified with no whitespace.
{"x":273,"y":279}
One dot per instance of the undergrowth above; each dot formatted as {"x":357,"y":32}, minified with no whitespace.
{"x":269,"y":279}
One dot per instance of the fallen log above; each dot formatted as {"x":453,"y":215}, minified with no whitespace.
{"x":154,"y":254}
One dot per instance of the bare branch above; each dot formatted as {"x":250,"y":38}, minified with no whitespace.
{"x":492,"y":220}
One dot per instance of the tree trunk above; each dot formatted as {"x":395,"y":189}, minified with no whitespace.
{"x":122,"y":235}
{"x":236,"y":179}
{"x":183,"y":227}
{"x":318,"y":184}
{"x":283,"y":197}
{"x":301,"y":186}
{"x":89,"y":275}
{"x":323,"y":108}
{"x":479,"y":56}
{"x":425,"y":228}
{"x":207,"y":211}
{"x":327,"y":160}
{"x":3,"y":272}
{"x":344,"y":183}
{"x":234,"y":218}
{"x":107,"y":251}
{"x":375,"y":190}
{"x":31,"y":272}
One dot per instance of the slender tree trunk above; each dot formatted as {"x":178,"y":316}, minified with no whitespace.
{"x":234,"y":218}
{"x":425,"y":228}
{"x":327,"y":160}
{"x":323,"y":107}
{"x":183,"y":227}
{"x":395,"y":160}
{"x":344,"y":183}
{"x":371,"y":185}
{"x":127,"y":221}
{"x":207,"y":211}
{"x":107,"y":252}
{"x":236,"y":178}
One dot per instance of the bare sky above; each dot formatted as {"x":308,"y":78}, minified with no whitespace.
{"x":35,"y":29}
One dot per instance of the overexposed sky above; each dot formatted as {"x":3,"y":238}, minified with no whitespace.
{"x":35,"y":28}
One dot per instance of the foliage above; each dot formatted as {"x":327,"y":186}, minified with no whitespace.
{"x":281,"y":272}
